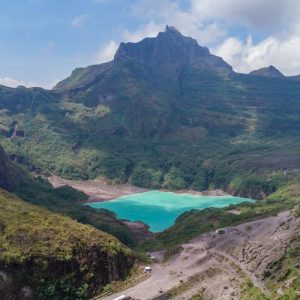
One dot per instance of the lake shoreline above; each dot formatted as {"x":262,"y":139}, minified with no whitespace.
{"x":101,"y":190}
{"x":160,"y":209}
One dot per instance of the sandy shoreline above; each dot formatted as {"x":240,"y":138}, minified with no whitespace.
{"x":97,"y":190}
{"x":100,"y":190}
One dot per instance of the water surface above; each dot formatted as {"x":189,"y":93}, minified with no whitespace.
{"x":160,"y":209}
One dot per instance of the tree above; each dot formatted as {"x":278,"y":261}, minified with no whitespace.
{"x":147,"y":177}
{"x":199,"y":183}
{"x":174,"y":180}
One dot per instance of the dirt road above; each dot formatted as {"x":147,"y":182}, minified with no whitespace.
{"x":222,"y":261}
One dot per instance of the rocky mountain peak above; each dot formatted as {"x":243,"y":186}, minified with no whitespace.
{"x":169,"y":52}
{"x":166,"y":55}
{"x":171,"y":29}
{"x":270,"y":71}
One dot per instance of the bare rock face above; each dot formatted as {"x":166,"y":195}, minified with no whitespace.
{"x":261,"y":244}
{"x":169,"y":53}
{"x":166,"y":55}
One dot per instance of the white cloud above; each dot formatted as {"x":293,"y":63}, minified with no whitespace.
{"x":271,"y":14}
{"x":49,"y":85}
{"x":162,"y":13}
{"x":11,"y":82}
{"x":280,"y":51}
{"x":213,"y":22}
{"x":107,"y":52}
{"x":79,"y":21}
{"x":149,"y":30}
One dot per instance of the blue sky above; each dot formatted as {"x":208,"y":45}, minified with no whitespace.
{"x":42,"y":41}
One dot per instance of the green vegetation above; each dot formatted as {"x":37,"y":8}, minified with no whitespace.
{"x":159,"y":124}
{"x":197,"y":297}
{"x":250,"y":292}
{"x":68,"y":201}
{"x":65,"y":200}
{"x":147,"y":177}
{"x":174,"y":180}
{"x":55,"y":256}
{"x":285,"y":273}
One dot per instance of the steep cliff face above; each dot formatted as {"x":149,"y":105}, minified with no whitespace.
{"x":47,"y":255}
{"x":169,"y":53}
{"x":166,"y":55}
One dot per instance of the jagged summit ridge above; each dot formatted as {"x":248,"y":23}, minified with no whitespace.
{"x":166,"y":55}
{"x":172,"y":29}
{"x":170,"y":52}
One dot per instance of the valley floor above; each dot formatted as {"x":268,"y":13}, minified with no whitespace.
{"x":219,"y":266}
{"x":97,"y":190}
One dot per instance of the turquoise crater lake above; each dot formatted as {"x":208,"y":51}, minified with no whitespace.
{"x":160,"y":209}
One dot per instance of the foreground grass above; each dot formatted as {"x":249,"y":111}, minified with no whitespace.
{"x":56,"y":256}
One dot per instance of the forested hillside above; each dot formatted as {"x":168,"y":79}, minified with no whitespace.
{"x":164,"y":113}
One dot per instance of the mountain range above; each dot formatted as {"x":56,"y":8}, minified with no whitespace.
{"x":165,"y":113}
{"x":163,"y":106}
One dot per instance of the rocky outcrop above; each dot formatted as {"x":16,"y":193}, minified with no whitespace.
{"x":169,"y":53}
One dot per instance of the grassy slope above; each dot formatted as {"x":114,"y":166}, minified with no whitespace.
{"x":66,"y":200}
{"x":54,"y":254}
